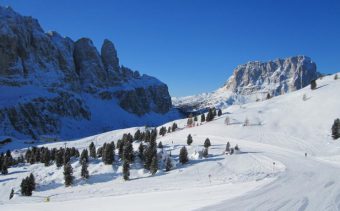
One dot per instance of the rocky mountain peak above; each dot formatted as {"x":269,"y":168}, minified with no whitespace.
{"x":109,"y":56}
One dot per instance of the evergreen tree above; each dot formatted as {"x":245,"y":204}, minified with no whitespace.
{"x":162,"y":131}
{"x":128,"y":152}
{"x":31,"y":181}
{"x":84,"y":171}
{"x":59,"y":158}
{"x":232,"y":151}
{"x":214,"y":112}
{"x":227,"y":148}
{"x":68,"y":174}
{"x":4,"y":166}
{"x":174,"y":127}
{"x":149,"y":153}
{"x":195,"y":118}
{"x":219,"y":112}
{"x":108,"y":154}
{"x":183,"y":155}
{"x":92,"y":149}
{"x":210,"y":115}
{"x":168,"y":164}
{"x":268,"y":96}
{"x":126,"y":170}
{"x":237,"y":148}
{"x":137,"y":135}
{"x":160,"y":145}
{"x":336,"y":129}
{"x":313,"y":84}
{"x":336,"y":77}
{"x":190,"y":120}
{"x":189,"y":139}
{"x":207,"y":143}
{"x":169,"y":129}
{"x":203,"y":117}
{"x":100,"y":152}
{"x":11,"y":194}
{"x":84,"y":157}
{"x":26,"y":189}
{"x":154,"y":165}
{"x":67,"y":156}
{"x":47,"y":157}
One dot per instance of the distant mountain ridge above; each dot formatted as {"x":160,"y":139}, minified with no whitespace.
{"x":254,"y":81}
{"x":53,"y":85}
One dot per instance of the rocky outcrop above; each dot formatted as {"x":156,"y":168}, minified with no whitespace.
{"x":47,"y":79}
{"x":254,"y":81}
{"x":275,"y":77}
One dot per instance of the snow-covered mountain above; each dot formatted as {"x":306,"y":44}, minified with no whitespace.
{"x":271,"y":172}
{"x":53,"y":85}
{"x":254,"y":81}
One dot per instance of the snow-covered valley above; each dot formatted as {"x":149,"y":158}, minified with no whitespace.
{"x":271,"y":171}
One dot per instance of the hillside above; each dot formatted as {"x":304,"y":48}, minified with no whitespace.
{"x":270,"y":172}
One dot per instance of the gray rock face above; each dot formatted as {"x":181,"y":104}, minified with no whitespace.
{"x":47,"y":79}
{"x":275,"y":77}
{"x":253,"y":81}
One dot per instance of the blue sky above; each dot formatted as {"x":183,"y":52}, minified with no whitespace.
{"x":194,"y":45}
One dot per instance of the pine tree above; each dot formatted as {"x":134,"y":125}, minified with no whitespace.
{"x":160,"y":145}
{"x":313,"y":84}
{"x":162,"y":131}
{"x":26,"y":189}
{"x":169,"y":129}
{"x":168,"y":164}
{"x":68,"y":174}
{"x":214,"y":112}
{"x":59,"y":158}
{"x":190,"y":120}
{"x":268,"y":96}
{"x":207,"y":143}
{"x":189,"y":139}
{"x":108,"y":154}
{"x":47,"y":157}
{"x":126,"y":170}
{"x":92,"y":149}
{"x":174,"y":127}
{"x":237,"y":148}
{"x":210,"y":115}
{"x":227,"y":148}
{"x":99,"y":152}
{"x":84,"y":171}
{"x":4,"y":166}
{"x":154,"y":165}
{"x":336,"y":77}
{"x":84,"y":156}
{"x":67,"y":156}
{"x":137,"y":135}
{"x":219,"y":112}
{"x":202,"y":117}
{"x":195,"y":118}
{"x":183,"y":155}
{"x":11,"y":194}
{"x":128,"y":152}
{"x":31,"y":181}
{"x":336,"y":129}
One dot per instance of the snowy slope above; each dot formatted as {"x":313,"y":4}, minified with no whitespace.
{"x":281,"y":131}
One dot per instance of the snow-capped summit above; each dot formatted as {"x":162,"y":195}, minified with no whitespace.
{"x":254,"y":81}
{"x":51,"y":84}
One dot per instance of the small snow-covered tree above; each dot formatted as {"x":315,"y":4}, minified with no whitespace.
{"x":227,"y":148}
{"x":219,"y":113}
{"x":84,"y":172}
{"x":68,"y":174}
{"x":84,"y":156}
{"x":154,"y":165}
{"x":190,"y":120}
{"x":202,"y":117}
{"x":126,"y":170}
{"x":268,"y":96}
{"x":336,"y":77}
{"x":336,"y":129}
{"x":189,"y":139}
{"x":205,"y":152}
{"x":174,"y":127}
{"x":183,"y":155}
{"x":168,"y":164}
{"x":207,"y":143}
{"x":237,"y":148}
{"x":195,"y":118}
{"x":92,"y":149}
